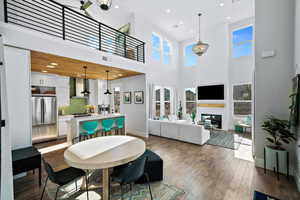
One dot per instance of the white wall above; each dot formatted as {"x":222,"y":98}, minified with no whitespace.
{"x":274,"y":31}
{"x":6,"y":182}
{"x":241,"y":70}
{"x":211,"y":69}
{"x":136,"y":114}
{"x":17,"y":63}
{"x":297,"y":71}
{"x":157,"y":72}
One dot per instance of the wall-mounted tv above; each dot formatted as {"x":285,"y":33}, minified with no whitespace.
{"x":211,"y":92}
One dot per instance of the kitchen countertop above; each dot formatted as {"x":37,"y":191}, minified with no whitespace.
{"x":76,"y":121}
{"x":97,"y":117}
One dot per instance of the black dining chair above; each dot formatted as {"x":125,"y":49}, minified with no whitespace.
{"x":130,"y":173}
{"x":63,"y":177}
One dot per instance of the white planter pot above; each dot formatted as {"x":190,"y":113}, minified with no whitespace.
{"x":271,"y":159}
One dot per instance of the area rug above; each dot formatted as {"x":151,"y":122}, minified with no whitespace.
{"x":160,"y":191}
{"x":224,"y":139}
{"x":262,"y":196}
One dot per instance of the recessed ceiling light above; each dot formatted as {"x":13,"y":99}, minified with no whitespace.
{"x":228,"y":17}
{"x":180,"y":22}
{"x":120,"y":74}
{"x":168,"y":10}
{"x":44,"y":71}
{"x":222,"y":4}
{"x":116,"y":6}
{"x":54,"y":64}
{"x":50,"y":66}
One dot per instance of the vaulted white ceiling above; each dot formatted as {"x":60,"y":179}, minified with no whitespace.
{"x":179,"y":18}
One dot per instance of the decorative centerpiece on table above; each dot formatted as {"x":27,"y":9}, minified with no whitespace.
{"x":278,"y":133}
{"x":90,"y":108}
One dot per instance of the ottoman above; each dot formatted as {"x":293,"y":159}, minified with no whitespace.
{"x":154,"y":167}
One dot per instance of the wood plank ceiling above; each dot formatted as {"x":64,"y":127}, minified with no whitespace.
{"x":47,"y":63}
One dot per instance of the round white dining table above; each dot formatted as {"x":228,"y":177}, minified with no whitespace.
{"x":104,"y":153}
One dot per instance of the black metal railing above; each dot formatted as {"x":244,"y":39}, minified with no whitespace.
{"x":57,"y":20}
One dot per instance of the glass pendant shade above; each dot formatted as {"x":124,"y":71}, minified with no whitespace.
{"x":200,"y":47}
{"x":107,"y":92}
{"x":105,"y":4}
{"x":85,"y":91}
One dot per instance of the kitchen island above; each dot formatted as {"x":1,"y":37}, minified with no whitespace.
{"x":77,"y":121}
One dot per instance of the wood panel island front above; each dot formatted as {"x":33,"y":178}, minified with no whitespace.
{"x":77,"y":122}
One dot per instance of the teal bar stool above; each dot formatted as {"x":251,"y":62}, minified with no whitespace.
{"x":120,"y":125}
{"x":107,"y":126}
{"x":90,"y":129}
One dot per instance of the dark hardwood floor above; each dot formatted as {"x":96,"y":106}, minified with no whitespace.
{"x":204,"y":172}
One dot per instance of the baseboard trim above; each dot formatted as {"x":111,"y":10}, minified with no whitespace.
{"x":137,"y":133}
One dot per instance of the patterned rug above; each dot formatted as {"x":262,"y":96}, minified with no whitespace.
{"x":224,"y":139}
{"x":160,"y":191}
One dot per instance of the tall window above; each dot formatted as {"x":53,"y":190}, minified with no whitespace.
{"x":242,"y":41}
{"x":166,"y":52}
{"x":156,"y":47}
{"x":167,"y":101}
{"x":190,"y":59}
{"x":117,"y":99}
{"x":242,"y":99}
{"x":190,"y":100}
{"x":157,"y":102}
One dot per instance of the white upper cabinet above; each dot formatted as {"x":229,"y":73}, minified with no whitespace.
{"x":40,"y":79}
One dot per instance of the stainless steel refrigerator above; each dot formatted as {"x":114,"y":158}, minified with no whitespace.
{"x":44,"y":118}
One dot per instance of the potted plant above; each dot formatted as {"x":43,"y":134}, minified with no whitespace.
{"x":278,"y":134}
{"x":193,"y":116}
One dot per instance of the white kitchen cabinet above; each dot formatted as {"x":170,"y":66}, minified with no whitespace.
{"x":64,"y":125}
{"x":40,"y":79}
{"x":63,"y":96}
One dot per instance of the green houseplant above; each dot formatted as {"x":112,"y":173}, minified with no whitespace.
{"x":278,"y":132}
{"x":193,"y":116}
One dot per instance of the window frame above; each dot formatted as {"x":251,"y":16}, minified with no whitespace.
{"x":169,"y":54}
{"x":156,"y":49}
{"x":249,"y":41}
{"x":164,"y":100}
{"x":155,"y":101}
{"x":184,"y":56}
{"x":242,"y":101}
{"x":186,"y":101}
{"x":114,"y":99}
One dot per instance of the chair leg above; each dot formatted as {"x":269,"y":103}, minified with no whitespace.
{"x":44,"y":188}
{"x":56,"y":193}
{"x":76,"y":185}
{"x":87,"y":187}
{"x":147,"y":177}
{"x":130,"y":185}
{"x":121,"y":192}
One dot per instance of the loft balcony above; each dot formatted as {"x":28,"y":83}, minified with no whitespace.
{"x":55,"y":19}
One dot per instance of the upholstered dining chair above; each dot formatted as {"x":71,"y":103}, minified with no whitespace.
{"x":63,"y":177}
{"x":129,"y":173}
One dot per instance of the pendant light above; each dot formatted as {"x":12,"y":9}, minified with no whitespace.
{"x":107,"y":90}
{"x":85,"y":92}
{"x":200,"y":48}
{"x":105,"y":4}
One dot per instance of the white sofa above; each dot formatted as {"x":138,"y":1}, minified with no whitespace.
{"x":179,"y":130}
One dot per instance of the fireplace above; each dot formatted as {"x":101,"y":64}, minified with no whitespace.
{"x":216,"y":120}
